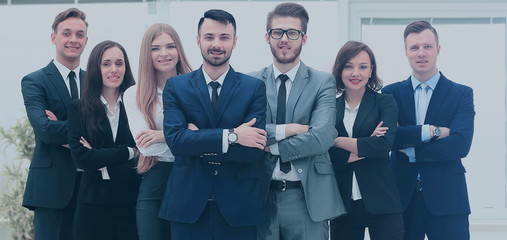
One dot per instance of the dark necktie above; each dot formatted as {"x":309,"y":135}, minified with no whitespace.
{"x":73,"y":87}
{"x":280,"y":114}
{"x":214,"y":94}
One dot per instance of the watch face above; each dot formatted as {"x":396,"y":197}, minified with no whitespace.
{"x":232,"y":137}
{"x":437,"y":132}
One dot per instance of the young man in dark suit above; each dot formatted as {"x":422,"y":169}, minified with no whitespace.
{"x":53,"y":179}
{"x":213,"y":123}
{"x":436,"y":124}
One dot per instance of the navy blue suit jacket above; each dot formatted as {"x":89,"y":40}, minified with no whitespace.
{"x":439,"y":161}
{"x":51,"y":177}
{"x":200,"y":168}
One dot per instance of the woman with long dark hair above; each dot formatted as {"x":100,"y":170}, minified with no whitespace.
{"x":101,"y":144}
{"x":366,"y":124}
{"x":161,"y":57}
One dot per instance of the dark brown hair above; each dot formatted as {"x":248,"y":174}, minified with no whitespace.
{"x":349,"y":50}
{"x":92,"y":108}
{"x":69,"y":13}
{"x":289,"y":10}
{"x":417,"y":27}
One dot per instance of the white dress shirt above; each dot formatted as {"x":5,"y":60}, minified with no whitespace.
{"x":114,"y":119}
{"x":64,"y":71}
{"x":292,"y":175}
{"x":349,"y":117}
{"x":138,"y":123}
{"x":220,"y":79}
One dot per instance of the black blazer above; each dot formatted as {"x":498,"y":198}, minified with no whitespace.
{"x":51,"y":177}
{"x":123,"y":186}
{"x":374,"y":177}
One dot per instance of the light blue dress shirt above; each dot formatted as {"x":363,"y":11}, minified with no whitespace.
{"x":425,"y":129}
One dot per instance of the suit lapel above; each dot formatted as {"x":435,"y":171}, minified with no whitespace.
{"x":201,"y":89}
{"x":81,"y":81}
{"x":231,"y":82}
{"x":408,"y":104}
{"x":55,"y":78}
{"x":270,"y":92}
{"x":340,"y":112}
{"x":437,"y":99}
{"x":363,"y":112}
{"x":298,"y":85}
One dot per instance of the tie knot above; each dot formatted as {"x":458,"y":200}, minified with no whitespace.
{"x":283,"y":77}
{"x":214,"y":85}
{"x":72,"y":74}
{"x":423,"y":86}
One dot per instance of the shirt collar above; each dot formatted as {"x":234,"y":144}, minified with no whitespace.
{"x":64,"y":71}
{"x":104,"y":101}
{"x":347,"y":106}
{"x":219,"y":79}
{"x":432,"y":82}
{"x":291,"y":73}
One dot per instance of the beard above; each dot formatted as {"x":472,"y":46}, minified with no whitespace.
{"x":213,"y":61}
{"x":286,"y":57}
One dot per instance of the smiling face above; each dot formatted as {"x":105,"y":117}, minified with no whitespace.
{"x":70,"y":40}
{"x":284,"y":50}
{"x":357,"y":72}
{"x":112,"y":67}
{"x":422,"y":51}
{"x":216,"y":41}
{"x":164,"y":54}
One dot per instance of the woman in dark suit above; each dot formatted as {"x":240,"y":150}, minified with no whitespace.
{"x":366,"y":124}
{"x":101,"y":144}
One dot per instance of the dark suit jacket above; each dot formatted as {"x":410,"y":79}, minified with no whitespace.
{"x":123,"y":186}
{"x":51,"y":177}
{"x":438,"y":162}
{"x":375,"y":179}
{"x":200,"y":167}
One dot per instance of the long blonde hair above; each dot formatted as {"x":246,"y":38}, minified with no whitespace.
{"x":146,"y":95}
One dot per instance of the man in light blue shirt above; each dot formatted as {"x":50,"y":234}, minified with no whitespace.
{"x":436,"y":123}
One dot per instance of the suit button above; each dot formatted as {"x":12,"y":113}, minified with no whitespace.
{"x":300,"y":170}
{"x":216,"y":172}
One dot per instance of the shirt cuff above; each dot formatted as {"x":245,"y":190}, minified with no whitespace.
{"x":131,"y":153}
{"x":273,"y":148}
{"x":425,"y":133}
{"x":280,"y":132}
{"x":225,"y":142}
{"x":410,"y":152}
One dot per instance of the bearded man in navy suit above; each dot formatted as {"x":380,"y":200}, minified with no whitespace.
{"x":436,"y":124}
{"x":213,"y":122}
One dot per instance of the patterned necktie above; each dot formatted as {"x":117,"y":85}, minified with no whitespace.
{"x":214,"y":94}
{"x":73,"y":87}
{"x":422,"y":104}
{"x":280,"y":114}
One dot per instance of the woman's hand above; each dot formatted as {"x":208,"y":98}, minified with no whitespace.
{"x":379,"y":130}
{"x":148,"y":137}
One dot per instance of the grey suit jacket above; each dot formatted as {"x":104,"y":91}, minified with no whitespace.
{"x":311,"y":102}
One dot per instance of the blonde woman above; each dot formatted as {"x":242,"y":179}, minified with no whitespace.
{"x":161,"y":58}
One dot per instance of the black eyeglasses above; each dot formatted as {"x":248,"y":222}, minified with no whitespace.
{"x":292,"y":34}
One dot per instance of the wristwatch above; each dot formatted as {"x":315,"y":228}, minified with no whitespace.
{"x":232,"y":137}
{"x":436,"y":133}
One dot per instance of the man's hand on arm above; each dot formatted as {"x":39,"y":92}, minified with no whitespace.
{"x":292,"y":129}
{"x":52,"y":117}
{"x":250,"y":136}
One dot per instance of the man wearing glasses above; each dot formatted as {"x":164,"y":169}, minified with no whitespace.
{"x":302,"y":193}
